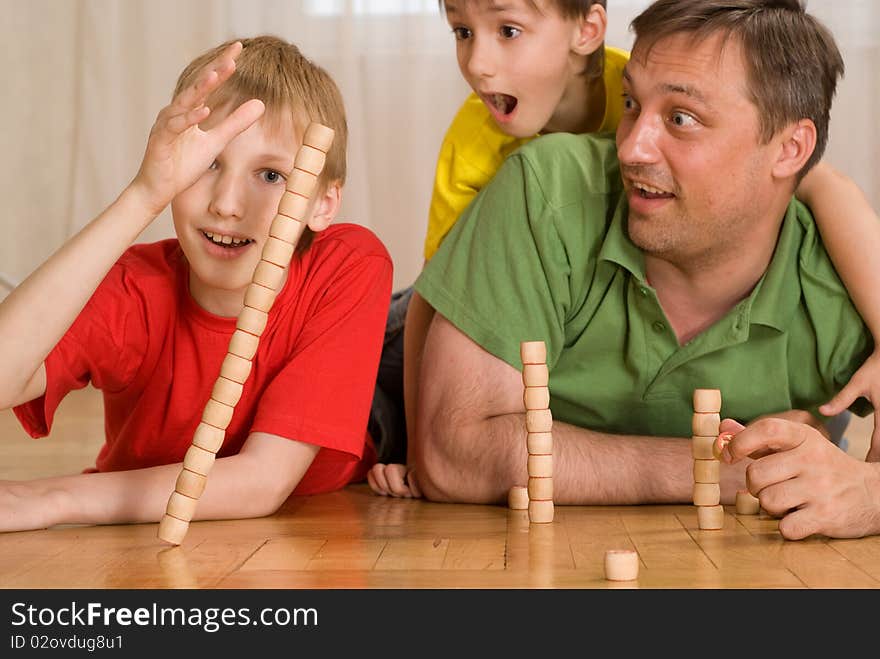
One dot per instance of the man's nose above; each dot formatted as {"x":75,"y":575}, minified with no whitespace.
{"x":638,"y":139}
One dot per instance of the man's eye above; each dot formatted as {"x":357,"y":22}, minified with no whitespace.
{"x":682,"y":119}
{"x":510,"y":32}
{"x":213,"y":165}
{"x":628,"y":103}
{"x":461,"y":33}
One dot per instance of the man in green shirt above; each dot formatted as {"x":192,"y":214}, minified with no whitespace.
{"x":679,"y":262}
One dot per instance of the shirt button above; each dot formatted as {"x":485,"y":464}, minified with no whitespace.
{"x":658,"y":326}
{"x":643,"y":291}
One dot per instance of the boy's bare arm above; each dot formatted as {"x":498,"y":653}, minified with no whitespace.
{"x":35,"y":316}
{"x":470,"y":443}
{"x":253,"y":483}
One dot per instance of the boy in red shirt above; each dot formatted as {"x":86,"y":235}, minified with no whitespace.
{"x":150,"y":324}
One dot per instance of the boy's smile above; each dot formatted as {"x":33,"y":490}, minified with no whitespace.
{"x":222,"y":221}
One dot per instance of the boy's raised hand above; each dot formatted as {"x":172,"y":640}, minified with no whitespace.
{"x":864,"y":382}
{"x":178,"y":151}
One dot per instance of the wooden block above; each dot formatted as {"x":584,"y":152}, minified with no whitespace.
{"x":318,"y":136}
{"x":518,"y":498}
{"x":269,"y":275}
{"x":198,"y":460}
{"x":540,"y":512}
{"x":302,"y":183}
{"x":181,"y":506}
{"x":294,"y":206}
{"x":235,"y":368}
{"x":536,"y":398}
{"x":539,"y":421}
{"x":746,"y":504}
{"x":217,"y":414}
{"x":260,"y":297}
{"x":707,"y":494}
{"x":310,"y":159}
{"x":621,"y":565}
{"x":277,"y":251}
{"x":701,"y":447}
{"x":190,"y":483}
{"x":540,"y":466}
{"x":227,"y":392}
{"x":286,"y":229}
{"x":707,"y":401}
{"x":535,"y":375}
{"x":172,"y":530}
{"x":243,"y":344}
{"x":539,"y":443}
{"x":209,"y":437}
{"x":710,"y":518}
{"x":707,"y":471}
{"x":540,"y":489}
{"x":706,"y":424}
{"x":533,"y":352}
{"x":253,"y":321}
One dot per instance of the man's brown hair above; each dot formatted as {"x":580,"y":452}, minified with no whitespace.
{"x":294,"y":90}
{"x":792,"y":62}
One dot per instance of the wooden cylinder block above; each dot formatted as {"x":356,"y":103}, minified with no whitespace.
{"x":746,"y":504}
{"x":190,"y":483}
{"x":701,"y":447}
{"x":209,"y":437}
{"x":181,"y":506}
{"x":198,"y":460}
{"x":541,"y":512}
{"x":235,"y":368}
{"x":226,"y":391}
{"x":310,"y":159}
{"x":540,"y":489}
{"x":253,"y":321}
{"x":260,"y":297}
{"x":533,"y":352}
{"x":539,"y":421}
{"x":286,"y":229}
{"x":243,"y":344}
{"x":621,"y":565}
{"x":294,"y":206}
{"x":217,"y":414}
{"x":539,"y":443}
{"x":269,"y":275}
{"x":706,"y":424}
{"x":302,"y":183}
{"x":707,"y":471}
{"x":707,"y":494}
{"x":536,"y":398}
{"x":277,"y":251}
{"x":172,"y":530}
{"x":710,"y":518}
{"x":707,"y":401}
{"x":540,"y":466}
{"x":518,"y":498}
{"x":535,"y":375}
{"x":318,"y":136}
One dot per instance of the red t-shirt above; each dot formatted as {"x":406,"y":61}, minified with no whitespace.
{"x":155,"y":355}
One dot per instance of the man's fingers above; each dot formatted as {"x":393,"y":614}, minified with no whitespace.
{"x":413,"y":483}
{"x":395,"y":474}
{"x":799,"y":524}
{"x":376,"y":479}
{"x":874,"y":449}
{"x":771,"y":435}
{"x":770,"y":470}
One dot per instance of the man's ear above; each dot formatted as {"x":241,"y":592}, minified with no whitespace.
{"x":590,"y":31}
{"x":796,"y":144}
{"x":326,"y":207}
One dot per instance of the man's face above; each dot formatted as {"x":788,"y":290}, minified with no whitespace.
{"x":697,"y":177}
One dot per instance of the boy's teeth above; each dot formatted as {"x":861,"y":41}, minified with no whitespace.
{"x":219,"y":239}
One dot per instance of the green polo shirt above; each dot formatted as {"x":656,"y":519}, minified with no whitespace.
{"x":542,"y":254}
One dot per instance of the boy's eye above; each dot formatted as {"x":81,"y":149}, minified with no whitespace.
{"x":682,"y":119}
{"x":271,"y":176}
{"x":510,"y":32}
{"x":461,"y":33}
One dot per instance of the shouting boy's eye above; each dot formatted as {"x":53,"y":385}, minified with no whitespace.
{"x":461,"y":33}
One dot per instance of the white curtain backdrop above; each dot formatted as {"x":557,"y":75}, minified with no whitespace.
{"x":82,"y":81}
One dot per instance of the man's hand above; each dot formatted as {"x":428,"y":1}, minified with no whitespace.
{"x":799,"y":475}
{"x":394,"y":480}
{"x":178,"y":151}
{"x":864,"y":382}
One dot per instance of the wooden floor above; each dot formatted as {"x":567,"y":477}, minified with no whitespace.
{"x":353,"y":540}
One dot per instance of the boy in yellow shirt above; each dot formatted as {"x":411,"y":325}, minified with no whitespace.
{"x":538,"y":67}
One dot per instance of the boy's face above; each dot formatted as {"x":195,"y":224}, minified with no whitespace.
{"x":222,"y":221}
{"x":518,"y":59}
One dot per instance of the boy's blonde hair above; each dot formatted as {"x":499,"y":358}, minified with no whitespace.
{"x":293,"y":89}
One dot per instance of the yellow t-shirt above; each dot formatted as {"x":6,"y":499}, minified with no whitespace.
{"x":474,"y":148}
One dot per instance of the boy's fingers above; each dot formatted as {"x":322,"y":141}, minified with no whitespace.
{"x":874,"y":450}
{"x":213,"y":75}
{"x":844,"y":398}
{"x":376,"y":479}
{"x":766,"y":435}
{"x":413,"y":483}
{"x":240,"y":120}
{"x":395,"y":474}
{"x":179,"y":123}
